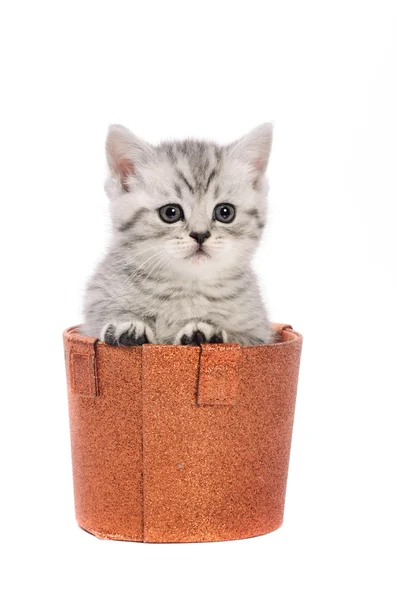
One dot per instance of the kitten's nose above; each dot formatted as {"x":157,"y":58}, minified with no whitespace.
{"x":200,"y":237}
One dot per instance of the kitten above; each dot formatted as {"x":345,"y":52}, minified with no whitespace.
{"x":187,"y":217}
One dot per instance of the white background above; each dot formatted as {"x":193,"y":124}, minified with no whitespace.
{"x":325,"y":74}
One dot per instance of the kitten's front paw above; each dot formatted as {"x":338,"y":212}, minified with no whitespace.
{"x":194,"y":334}
{"x":128,"y":333}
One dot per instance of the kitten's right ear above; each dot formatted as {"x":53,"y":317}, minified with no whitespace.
{"x":254,"y":149}
{"x":125,"y":152}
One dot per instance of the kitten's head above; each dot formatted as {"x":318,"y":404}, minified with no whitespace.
{"x":192,"y":207}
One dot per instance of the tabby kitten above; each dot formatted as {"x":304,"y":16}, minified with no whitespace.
{"x":187,"y":217}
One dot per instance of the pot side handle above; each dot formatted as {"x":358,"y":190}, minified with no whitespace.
{"x":218,"y":374}
{"x":81,"y":368}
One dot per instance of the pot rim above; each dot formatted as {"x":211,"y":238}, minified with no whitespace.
{"x":286,"y":332}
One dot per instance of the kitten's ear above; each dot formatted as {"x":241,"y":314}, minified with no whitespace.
{"x":254,"y":149}
{"x":125,"y":152}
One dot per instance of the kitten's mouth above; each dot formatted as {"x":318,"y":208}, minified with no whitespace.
{"x":197,"y":256}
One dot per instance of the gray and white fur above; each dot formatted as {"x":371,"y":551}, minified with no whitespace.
{"x":188,"y":281}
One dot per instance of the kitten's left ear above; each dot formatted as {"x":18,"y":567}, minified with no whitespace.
{"x":125,"y":153}
{"x":254,"y":149}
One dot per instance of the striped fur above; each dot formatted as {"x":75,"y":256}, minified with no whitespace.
{"x":153,"y":286}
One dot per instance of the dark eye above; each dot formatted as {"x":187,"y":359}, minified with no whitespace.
{"x":171,"y":213}
{"x":225,"y":213}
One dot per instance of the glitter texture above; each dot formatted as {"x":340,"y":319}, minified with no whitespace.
{"x":178,"y":443}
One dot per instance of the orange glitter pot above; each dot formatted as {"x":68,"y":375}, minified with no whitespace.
{"x":180,"y":443}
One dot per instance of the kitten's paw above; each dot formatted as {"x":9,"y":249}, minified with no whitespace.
{"x":196,"y":333}
{"x":128,"y":333}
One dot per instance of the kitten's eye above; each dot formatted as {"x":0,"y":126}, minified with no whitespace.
{"x":225,"y":213}
{"x":171,"y":213}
